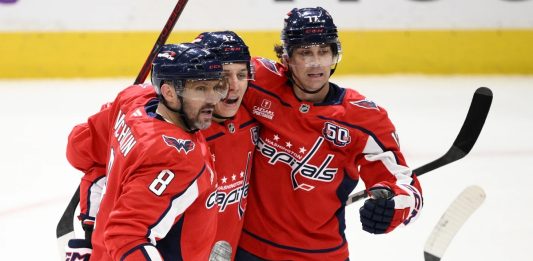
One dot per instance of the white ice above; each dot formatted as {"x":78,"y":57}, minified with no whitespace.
{"x":37,"y":181}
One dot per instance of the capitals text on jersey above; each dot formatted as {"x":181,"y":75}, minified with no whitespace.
{"x":306,"y":170}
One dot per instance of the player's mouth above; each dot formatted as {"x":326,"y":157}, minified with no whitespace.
{"x":207,"y":112}
{"x":315,"y":75}
{"x":231,"y":101}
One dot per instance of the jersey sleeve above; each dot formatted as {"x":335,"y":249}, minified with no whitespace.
{"x":88,"y":142}
{"x":383,"y":162}
{"x":86,"y":151}
{"x":151,"y":200}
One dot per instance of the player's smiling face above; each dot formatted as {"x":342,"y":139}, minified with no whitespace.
{"x":311,"y":65}
{"x":236,"y":75}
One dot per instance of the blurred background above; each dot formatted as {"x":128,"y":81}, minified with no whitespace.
{"x":420,"y":59}
{"x":102,"y":38}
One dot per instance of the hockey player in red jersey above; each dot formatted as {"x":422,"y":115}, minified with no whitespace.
{"x":159,"y":168}
{"x":317,"y":141}
{"x":232,"y":138}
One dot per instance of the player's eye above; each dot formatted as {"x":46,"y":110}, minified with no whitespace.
{"x":324,"y":51}
{"x":200,"y":88}
{"x":242,"y":76}
{"x":302,"y":52}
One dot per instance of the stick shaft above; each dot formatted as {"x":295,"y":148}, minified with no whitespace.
{"x":161,"y":40}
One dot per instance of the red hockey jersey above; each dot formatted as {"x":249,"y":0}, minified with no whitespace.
{"x":309,"y":158}
{"x":86,"y":151}
{"x":232,"y":143}
{"x":159,"y":178}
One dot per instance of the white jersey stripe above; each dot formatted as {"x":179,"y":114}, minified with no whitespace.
{"x":177,"y":207}
{"x":152,"y":253}
{"x":372,"y":147}
{"x":373,"y":152}
{"x":95,"y":198}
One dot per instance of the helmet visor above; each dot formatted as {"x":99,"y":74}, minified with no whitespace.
{"x":314,"y":55}
{"x":205,"y":90}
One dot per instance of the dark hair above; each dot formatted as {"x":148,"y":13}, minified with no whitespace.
{"x":278,"y":49}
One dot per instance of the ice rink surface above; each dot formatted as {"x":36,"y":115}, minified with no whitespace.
{"x":37,"y":181}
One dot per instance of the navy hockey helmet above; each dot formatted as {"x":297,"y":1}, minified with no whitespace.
{"x":307,"y":26}
{"x":181,"y":62}
{"x":228,"y":46}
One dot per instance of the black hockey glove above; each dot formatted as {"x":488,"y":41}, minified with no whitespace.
{"x":389,"y":206}
{"x":377,"y":212}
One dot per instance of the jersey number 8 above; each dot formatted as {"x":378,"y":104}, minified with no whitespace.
{"x":161,"y":182}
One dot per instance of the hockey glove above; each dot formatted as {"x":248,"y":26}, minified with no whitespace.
{"x":81,"y":249}
{"x":389,"y":206}
{"x":78,"y":249}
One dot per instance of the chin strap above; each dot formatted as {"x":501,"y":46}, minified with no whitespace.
{"x":332,"y":71}
{"x":218,"y":116}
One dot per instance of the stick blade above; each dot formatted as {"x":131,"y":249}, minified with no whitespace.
{"x":469,"y":133}
{"x":475,"y":119}
{"x":451,"y":221}
{"x":66,"y":223}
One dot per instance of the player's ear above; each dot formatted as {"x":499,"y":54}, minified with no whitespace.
{"x":168,"y":92}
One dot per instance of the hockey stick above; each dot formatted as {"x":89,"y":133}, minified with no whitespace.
{"x":161,"y":40}
{"x":65,"y":227}
{"x":475,"y":119}
{"x":451,"y":221}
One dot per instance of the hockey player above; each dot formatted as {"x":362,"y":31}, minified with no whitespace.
{"x":317,"y":141}
{"x":232,"y":137}
{"x":231,"y":140}
{"x":159,"y":169}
